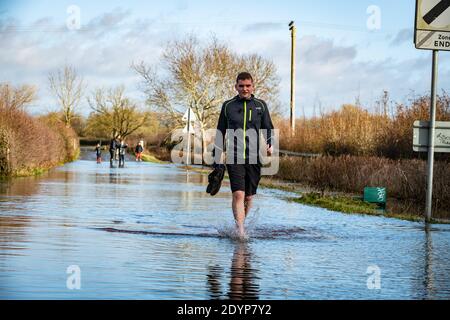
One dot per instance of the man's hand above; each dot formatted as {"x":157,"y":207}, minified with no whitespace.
{"x":269,"y":150}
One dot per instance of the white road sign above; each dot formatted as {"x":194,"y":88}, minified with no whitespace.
{"x":421,"y":139}
{"x":192,"y":116}
{"x":191,"y":128}
{"x":432,"y":24}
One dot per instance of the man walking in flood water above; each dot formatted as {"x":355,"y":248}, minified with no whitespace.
{"x":242,"y":119}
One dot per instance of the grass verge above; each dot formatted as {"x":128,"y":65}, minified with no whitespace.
{"x":345,"y":204}
{"x":151,"y":158}
{"x":352,"y":205}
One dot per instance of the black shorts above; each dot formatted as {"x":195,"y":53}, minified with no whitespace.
{"x":244,"y":177}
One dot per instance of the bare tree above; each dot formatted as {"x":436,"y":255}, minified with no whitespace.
{"x":68,"y":89}
{"x":13,"y":98}
{"x":115,"y":113}
{"x":201,"y":77}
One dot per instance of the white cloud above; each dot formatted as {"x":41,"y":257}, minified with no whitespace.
{"x":335,"y":75}
{"x":404,"y":35}
{"x":101,"y":51}
{"x":104,"y":48}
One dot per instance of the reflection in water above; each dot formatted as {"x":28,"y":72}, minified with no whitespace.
{"x":98,"y":178}
{"x":431,"y":267}
{"x":214,"y":285}
{"x":428,"y":276}
{"x":116,"y":178}
{"x":190,"y":195}
{"x":13,"y":232}
{"x":242,"y":285}
{"x":19,"y":186}
{"x":112,"y":177}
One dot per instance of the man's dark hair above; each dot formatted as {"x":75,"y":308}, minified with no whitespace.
{"x":244,"y":76}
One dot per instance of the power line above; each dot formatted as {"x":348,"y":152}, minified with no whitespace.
{"x":87,"y":27}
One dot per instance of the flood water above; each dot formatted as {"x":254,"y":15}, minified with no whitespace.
{"x":150,"y":231}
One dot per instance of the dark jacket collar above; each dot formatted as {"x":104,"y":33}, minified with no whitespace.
{"x":238,"y":98}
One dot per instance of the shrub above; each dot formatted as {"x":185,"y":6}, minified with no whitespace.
{"x":404,"y":179}
{"x":27,"y":143}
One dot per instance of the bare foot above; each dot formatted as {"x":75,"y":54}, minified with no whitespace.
{"x":241,"y":234}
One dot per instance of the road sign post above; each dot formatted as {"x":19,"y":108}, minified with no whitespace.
{"x":189,"y":117}
{"x":432,"y":32}
{"x":431,"y":137}
{"x":188,"y":156}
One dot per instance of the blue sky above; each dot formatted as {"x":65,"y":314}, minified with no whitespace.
{"x":338,"y":56}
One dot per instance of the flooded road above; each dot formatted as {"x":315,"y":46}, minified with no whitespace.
{"x":150,"y":231}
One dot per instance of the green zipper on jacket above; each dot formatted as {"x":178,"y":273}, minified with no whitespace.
{"x":245,"y":124}
{"x":250,"y":118}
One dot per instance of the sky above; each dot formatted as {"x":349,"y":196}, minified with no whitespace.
{"x":345,"y":49}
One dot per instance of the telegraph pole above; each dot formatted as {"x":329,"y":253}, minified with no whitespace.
{"x":293,"y":31}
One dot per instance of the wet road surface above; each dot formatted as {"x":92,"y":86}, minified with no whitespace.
{"x":150,"y":231}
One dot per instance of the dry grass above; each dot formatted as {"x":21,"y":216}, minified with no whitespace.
{"x":161,"y":153}
{"x":404,"y":179}
{"x":355,"y":131}
{"x":364,"y":149}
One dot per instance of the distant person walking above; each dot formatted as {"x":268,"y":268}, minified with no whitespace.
{"x":113,"y":145}
{"x":122,"y":151}
{"x":98,"y":153}
{"x":138,"y":151}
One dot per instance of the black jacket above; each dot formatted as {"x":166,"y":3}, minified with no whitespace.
{"x":249,"y":115}
{"x":138,"y":149}
{"x":113,"y":145}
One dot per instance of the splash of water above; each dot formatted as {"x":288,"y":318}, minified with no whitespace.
{"x":251,"y":222}
{"x":230,"y":230}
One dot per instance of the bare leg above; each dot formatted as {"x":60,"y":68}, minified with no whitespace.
{"x":247,"y":204}
{"x":239,"y":210}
